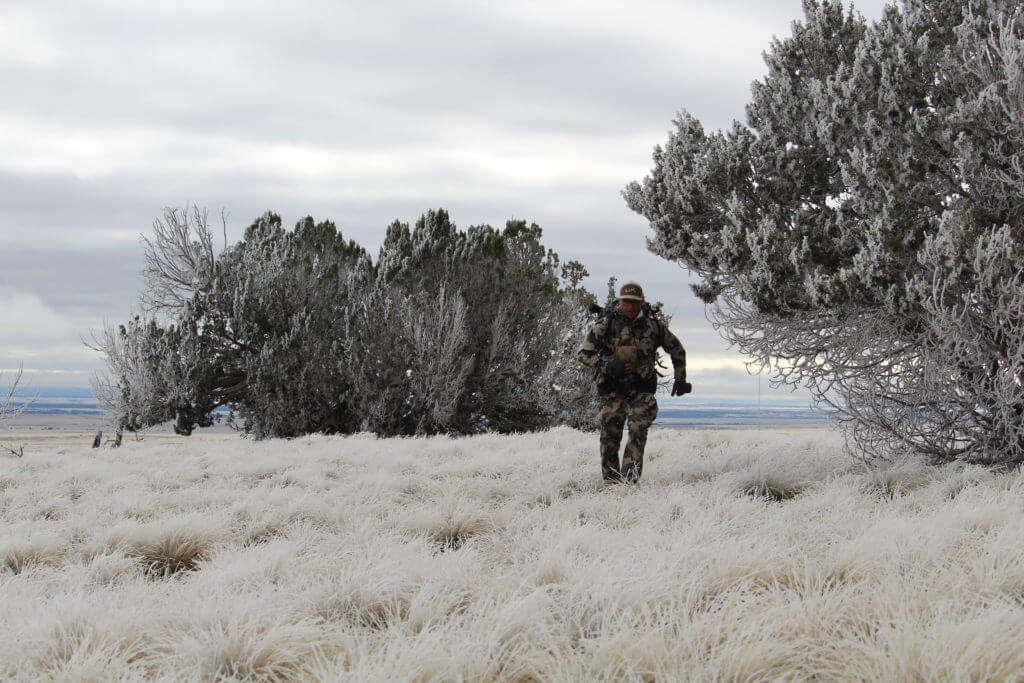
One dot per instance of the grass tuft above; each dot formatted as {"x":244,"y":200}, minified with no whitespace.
{"x":167,"y":548}
{"x":900,"y":477}
{"x":243,"y":647}
{"x":967,"y":478}
{"x":18,"y":556}
{"x":371,"y":609}
{"x":83,"y":648}
{"x":454,"y":532}
{"x":771,"y":484}
{"x":451,"y":525}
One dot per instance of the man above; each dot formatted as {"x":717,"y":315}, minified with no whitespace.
{"x":622,"y":347}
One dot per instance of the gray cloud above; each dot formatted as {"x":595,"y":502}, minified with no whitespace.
{"x":353,"y":68}
{"x":106,"y":278}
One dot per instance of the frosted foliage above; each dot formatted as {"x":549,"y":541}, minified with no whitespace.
{"x":139,"y":390}
{"x":861,"y":235}
{"x":466,"y":332}
{"x":439,"y":363}
{"x":565,"y":388}
{"x":300,"y":331}
{"x":741,"y":556}
{"x":410,"y":360}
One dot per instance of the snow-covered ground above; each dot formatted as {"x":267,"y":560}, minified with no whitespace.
{"x":742,"y":555}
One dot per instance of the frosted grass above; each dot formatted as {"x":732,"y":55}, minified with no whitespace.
{"x":741,"y":556}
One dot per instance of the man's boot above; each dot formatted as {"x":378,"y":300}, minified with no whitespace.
{"x":610,"y":469}
{"x":611,"y":437}
{"x":633,"y":456}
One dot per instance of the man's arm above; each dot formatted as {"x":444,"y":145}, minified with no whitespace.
{"x":675,"y":350}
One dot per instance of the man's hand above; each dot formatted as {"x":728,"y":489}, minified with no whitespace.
{"x":681,"y":387}
{"x":619,"y":368}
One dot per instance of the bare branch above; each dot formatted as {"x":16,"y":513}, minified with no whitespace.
{"x":13,"y":404}
{"x":179,"y":259}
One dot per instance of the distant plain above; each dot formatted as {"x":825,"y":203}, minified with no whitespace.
{"x":72,"y":417}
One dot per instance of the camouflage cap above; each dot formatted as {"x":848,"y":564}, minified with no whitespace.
{"x":631,"y":291}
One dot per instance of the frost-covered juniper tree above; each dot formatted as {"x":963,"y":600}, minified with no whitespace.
{"x":299,"y":331}
{"x":258,"y":329}
{"x":861,"y":234}
{"x":480,"y":332}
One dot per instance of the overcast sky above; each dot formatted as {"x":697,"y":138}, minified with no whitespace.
{"x":358,"y":112}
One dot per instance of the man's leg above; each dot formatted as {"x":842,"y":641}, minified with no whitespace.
{"x":643,"y":408}
{"x":610,"y":418}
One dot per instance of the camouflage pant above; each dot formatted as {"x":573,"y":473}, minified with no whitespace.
{"x":640,"y":408}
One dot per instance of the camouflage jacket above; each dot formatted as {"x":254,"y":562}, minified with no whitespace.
{"x":613,"y":336}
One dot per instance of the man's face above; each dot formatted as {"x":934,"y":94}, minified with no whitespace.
{"x":629,"y":308}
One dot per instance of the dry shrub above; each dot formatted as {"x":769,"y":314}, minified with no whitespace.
{"x":968,"y":477}
{"x":90,"y":645}
{"x":894,"y":479}
{"x":108,"y":569}
{"x":449,"y":529}
{"x":435,"y":605}
{"x":263,"y":531}
{"x":172,"y":552}
{"x":361,"y":598}
{"x":763,"y":574}
{"x":516,"y":634}
{"x":850,"y":568}
{"x":453,"y":532}
{"x":570,"y":488}
{"x":951,"y":648}
{"x":708,"y":441}
{"x":542,"y":500}
{"x":168,"y":547}
{"x":243,"y":647}
{"x":709,"y":467}
{"x":20,"y":555}
{"x":52,"y":512}
{"x":997,"y":578}
{"x":282,"y":517}
{"x":750,"y":656}
{"x":772,"y":484}
{"x":370,"y":607}
{"x":550,"y":570}
{"x":699,"y":472}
